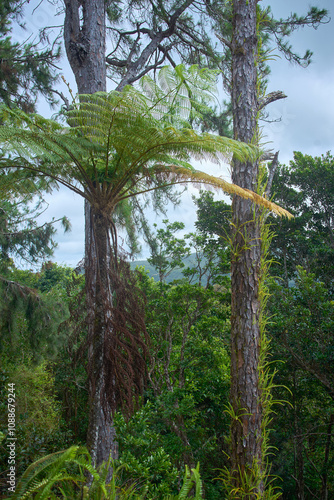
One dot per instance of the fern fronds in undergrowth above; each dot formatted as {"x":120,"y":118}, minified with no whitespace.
{"x":63,"y":473}
{"x":42,"y":474}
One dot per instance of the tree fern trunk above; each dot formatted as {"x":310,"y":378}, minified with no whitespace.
{"x":101,"y":439}
{"x":246,"y":255}
{"x":84,"y":34}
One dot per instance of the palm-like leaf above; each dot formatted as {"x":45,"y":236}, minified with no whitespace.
{"x":116,"y":148}
{"x":53,"y":474}
{"x":38,"y":479}
{"x":180,"y":94}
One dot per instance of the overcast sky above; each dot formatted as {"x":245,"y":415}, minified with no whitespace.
{"x":306,"y":117}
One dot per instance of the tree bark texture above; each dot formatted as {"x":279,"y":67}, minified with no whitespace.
{"x":324,"y":476}
{"x":85,"y":43}
{"x":298,"y":446}
{"x":101,"y":436}
{"x":245,"y":393}
{"x":84,"y":35}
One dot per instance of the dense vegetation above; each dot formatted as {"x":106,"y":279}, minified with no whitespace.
{"x":208,"y":375}
{"x":182,"y":418}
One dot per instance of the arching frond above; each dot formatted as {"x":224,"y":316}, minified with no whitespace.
{"x":175,"y":174}
{"x":187,"y":90}
{"x":115,"y":140}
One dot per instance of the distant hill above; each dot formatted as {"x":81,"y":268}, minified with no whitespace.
{"x":176,"y":274}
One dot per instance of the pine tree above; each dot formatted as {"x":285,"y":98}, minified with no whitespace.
{"x":26,"y":70}
{"x":246,"y":445}
{"x":20,"y":235}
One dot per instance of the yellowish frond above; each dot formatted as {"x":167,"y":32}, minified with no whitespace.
{"x":196,"y":177}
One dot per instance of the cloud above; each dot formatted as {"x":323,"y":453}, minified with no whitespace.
{"x":70,"y":248}
{"x":307,"y":115}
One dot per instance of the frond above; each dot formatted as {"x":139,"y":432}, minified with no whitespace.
{"x":175,"y":174}
{"x":190,"y":480}
{"x":44,"y":149}
{"x":114,"y":141}
{"x":29,"y":480}
{"x":42,"y":475}
{"x":179,"y":92}
{"x":123,"y":125}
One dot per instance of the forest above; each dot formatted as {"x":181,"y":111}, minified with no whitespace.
{"x":205,"y":371}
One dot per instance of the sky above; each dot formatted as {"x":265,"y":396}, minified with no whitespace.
{"x":304,"y":121}
{"x":307,"y":115}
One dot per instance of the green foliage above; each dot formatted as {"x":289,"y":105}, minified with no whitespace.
{"x":305,"y":320}
{"x":301,"y":331}
{"x":29,"y":320}
{"x":301,"y":337}
{"x":50,"y":404}
{"x":210,"y":262}
{"x":213,"y":217}
{"x":306,"y":188}
{"x":71,"y":382}
{"x":201,"y":257}
{"x":53,"y":276}
{"x":21,"y":238}
{"x":37,"y":413}
{"x":167,"y":251}
{"x":52,"y":471}
{"x":214,"y":225}
{"x":281,"y":29}
{"x":26,"y":69}
{"x":189,"y":325}
{"x":183,"y":416}
{"x":146,"y":461}
{"x":64,"y":474}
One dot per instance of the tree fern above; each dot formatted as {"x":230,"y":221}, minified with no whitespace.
{"x":115,"y":147}
{"x":119,"y":146}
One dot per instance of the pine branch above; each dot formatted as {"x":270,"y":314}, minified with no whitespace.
{"x":271,"y":97}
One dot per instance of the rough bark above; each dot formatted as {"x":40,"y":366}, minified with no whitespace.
{"x":101,"y":435}
{"x":324,"y":476}
{"x":84,"y":34}
{"x":246,"y":254}
{"x":298,"y":447}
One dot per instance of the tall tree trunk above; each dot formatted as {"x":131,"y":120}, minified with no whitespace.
{"x":246,"y":256}
{"x":84,"y":34}
{"x":298,"y":445}
{"x":324,"y":476}
{"x":101,"y":436}
{"x":85,"y":43}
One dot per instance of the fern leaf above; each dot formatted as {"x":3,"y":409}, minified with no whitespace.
{"x":123,"y":143}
